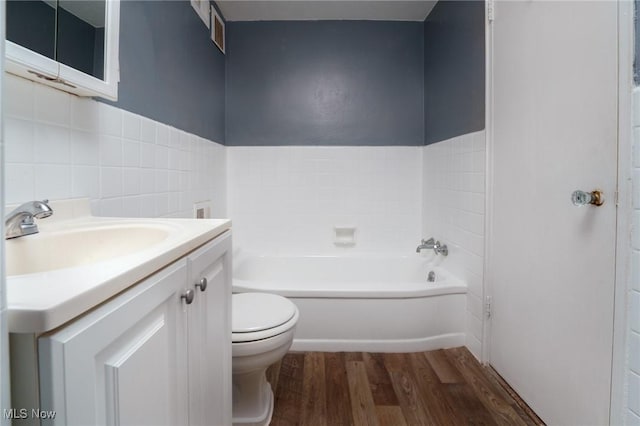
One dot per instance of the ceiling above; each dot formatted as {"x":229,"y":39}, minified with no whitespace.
{"x":313,"y":10}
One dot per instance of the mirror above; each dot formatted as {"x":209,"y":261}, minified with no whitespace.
{"x":68,"y":44}
{"x":80,"y":35}
{"x":68,"y":31}
{"x":32,"y":24}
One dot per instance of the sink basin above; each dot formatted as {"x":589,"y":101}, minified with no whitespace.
{"x":79,"y":261}
{"x":80,"y":246}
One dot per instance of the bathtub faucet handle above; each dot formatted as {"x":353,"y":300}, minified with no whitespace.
{"x":426,"y":244}
{"x":439,"y":248}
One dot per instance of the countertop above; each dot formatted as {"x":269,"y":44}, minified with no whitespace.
{"x":42,"y":301}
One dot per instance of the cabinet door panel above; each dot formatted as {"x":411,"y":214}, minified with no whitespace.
{"x":123,"y":363}
{"x":135,"y":393}
{"x":210,"y":335}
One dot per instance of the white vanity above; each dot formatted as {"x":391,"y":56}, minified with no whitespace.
{"x":125,"y":321}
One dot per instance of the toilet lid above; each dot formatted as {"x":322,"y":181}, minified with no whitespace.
{"x":253,"y":312}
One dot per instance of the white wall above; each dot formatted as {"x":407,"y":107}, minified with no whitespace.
{"x":633,"y":337}
{"x":284,"y":199}
{"x":61,"y":146}
{"x":453,"y":201}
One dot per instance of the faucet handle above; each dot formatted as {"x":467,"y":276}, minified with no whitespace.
{"x":430,"y":241}
{"x":442,"y":249}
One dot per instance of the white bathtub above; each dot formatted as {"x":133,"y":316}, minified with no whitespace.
{"x":370,"y":303}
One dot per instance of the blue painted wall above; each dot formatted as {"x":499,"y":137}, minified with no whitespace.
{"x":170,"y":70}
{"x":306,"y":83}
{"x":454,"y":70}
{"x":324,"y":83}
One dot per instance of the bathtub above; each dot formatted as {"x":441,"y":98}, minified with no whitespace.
{"x":368,"y":303}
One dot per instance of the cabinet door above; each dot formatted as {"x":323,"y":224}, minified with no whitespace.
{"x":210,"y":335}
{"x":123,"y":363}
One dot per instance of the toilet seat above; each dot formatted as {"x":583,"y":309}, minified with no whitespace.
{"x":258,"y":316}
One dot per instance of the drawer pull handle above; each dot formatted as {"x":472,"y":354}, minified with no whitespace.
{"x":188,"y":296}
{"x":202,"y":284}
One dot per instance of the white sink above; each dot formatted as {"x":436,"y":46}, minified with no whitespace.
{"x":78,"y":261}
{"x":49,"y":251}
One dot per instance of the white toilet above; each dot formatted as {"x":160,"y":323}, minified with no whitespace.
{"x":262,"y":332}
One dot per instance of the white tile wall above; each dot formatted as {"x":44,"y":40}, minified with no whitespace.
{"x":633,"y":354}
{"x":285,"y":199}
{"x":453,"y":201}
{"x":290,"y":198}
{"x":62,"y":146}
{"x":281,"y":199}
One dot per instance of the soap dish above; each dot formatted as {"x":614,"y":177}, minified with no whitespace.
{"x":345,"y":236}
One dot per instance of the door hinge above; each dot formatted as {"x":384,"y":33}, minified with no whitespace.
{"x":616,"y":196}
{"x":487,"y":306}
{"x":490,"y":10}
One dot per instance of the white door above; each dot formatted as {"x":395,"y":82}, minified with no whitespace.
{"x":551,"y":265}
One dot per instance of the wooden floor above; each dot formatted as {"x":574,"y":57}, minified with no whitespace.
{"x":445,"y":387}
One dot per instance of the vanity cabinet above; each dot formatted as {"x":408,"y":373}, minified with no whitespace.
{"x":159,"y":353}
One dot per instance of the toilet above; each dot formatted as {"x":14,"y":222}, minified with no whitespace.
{"x":262,"y":333}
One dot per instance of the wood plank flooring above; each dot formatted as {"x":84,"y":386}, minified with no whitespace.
{"x":444,"y":387}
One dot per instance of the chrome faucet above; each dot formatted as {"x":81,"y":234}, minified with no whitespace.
{"x":20,"y":222}
{"x":426,"y":244}
{"x":437,"y":247}
{"x":441,"y":249}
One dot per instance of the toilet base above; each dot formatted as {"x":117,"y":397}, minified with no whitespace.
{"x":256,"y":406}
{"x":252,"y":395}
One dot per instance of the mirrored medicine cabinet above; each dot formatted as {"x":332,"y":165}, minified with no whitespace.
{"x":68,"y":44}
